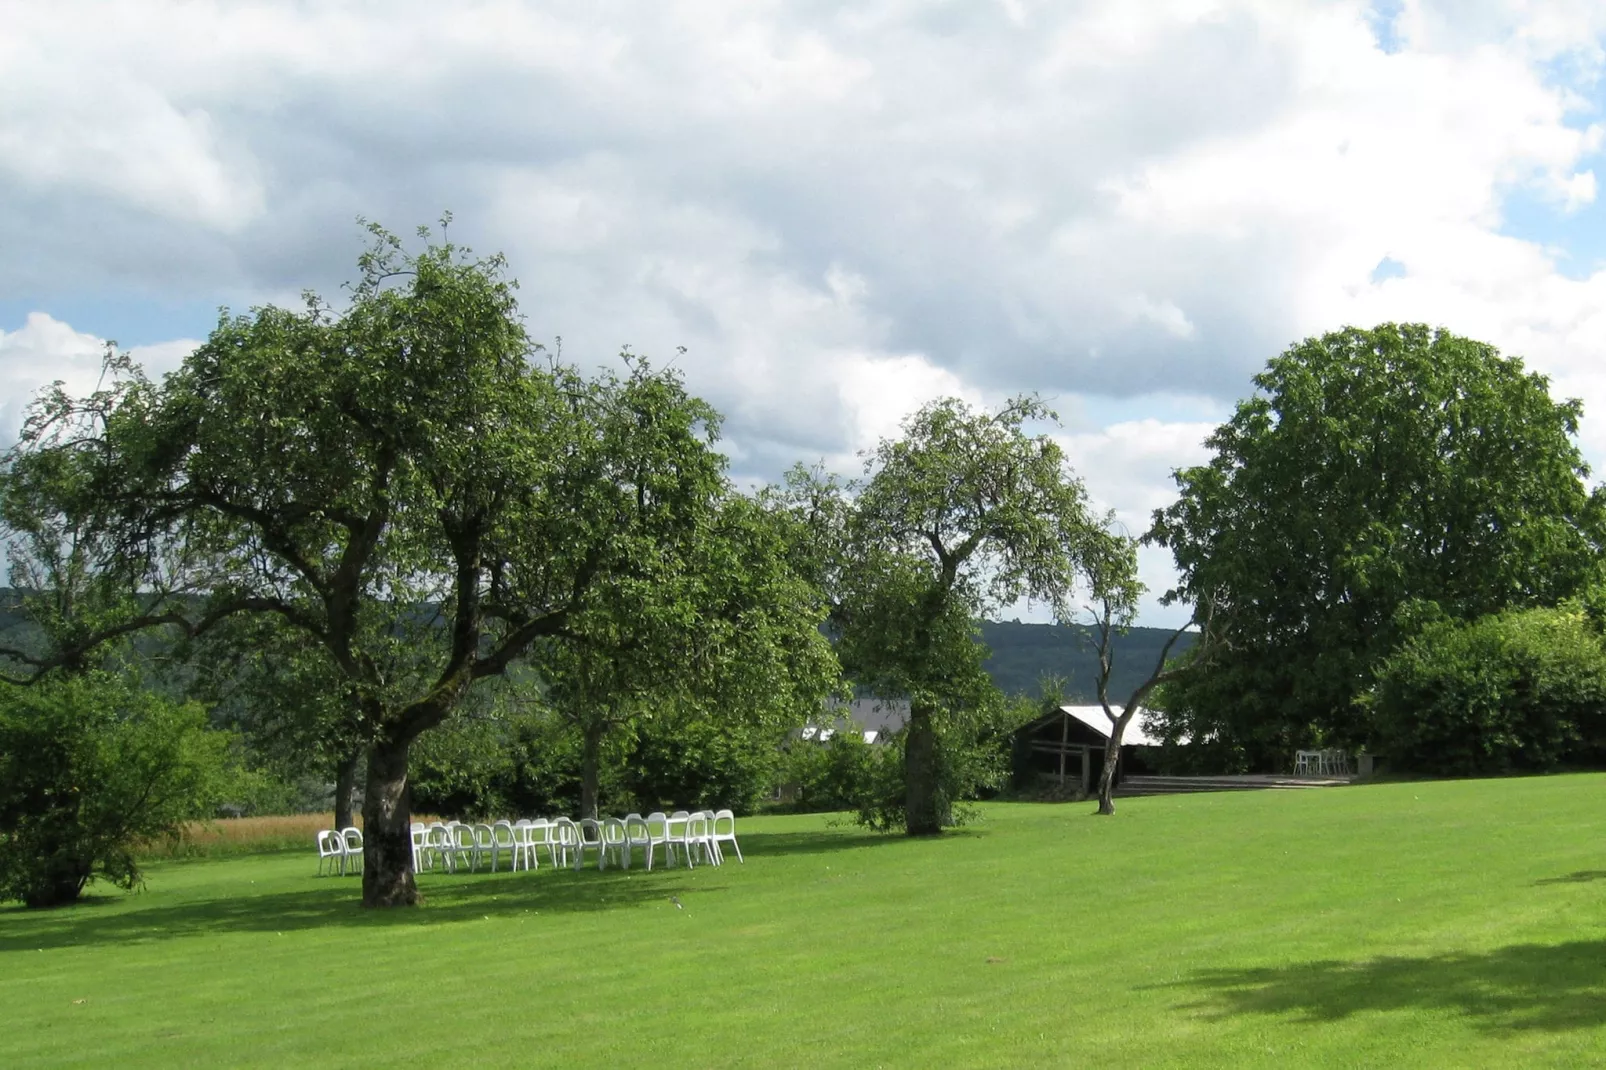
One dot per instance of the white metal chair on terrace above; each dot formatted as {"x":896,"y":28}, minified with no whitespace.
{"x":351,"y":849}
{"x":590,"y":840}
{"x":675,"y":835}
{"x":657,"y":825}
{"x":700,"y":839}
{"x":330,"y":849}
{"x":615,"y":843}
{"x":724,"y":831}
{"x":563,"y":840}
{"x":1307,"y":762}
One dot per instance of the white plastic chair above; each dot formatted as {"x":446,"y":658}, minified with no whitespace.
{"x":1307,"y":762}
{"x":523,"y":845}
{"x":636,"y":836}
{"x":438,"y":842}
{"x":541,"y":836}
{"x":420,"y":837}
{"x":502,"y":840}
{"x":330,"y":849}
{"x":657,"y":825}
{"x":590,"y":840}
{"x":700,"y":839}
{"x":459,"y":846}
{"x":615,"y":842}
{"x":484,"y":845}
{"x":723,"y":828}
{"x":675,"y":835}
{"x":563,"y":841}
{"x":351,"y":849}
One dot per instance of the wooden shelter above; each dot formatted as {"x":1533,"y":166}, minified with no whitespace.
{"x":1070,"y":743}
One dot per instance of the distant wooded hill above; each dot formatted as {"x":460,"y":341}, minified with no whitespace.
{"x":1022,"y":654}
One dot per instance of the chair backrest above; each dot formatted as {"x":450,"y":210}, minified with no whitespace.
{"x":590,"y":832}
{"x":418,"y":826}
{"x":635,"y":828}
{"x":438,"y":836}
{"x":613,"y":832}
{"x":697,"y":826}
{"x":351,"y":840}
{"x":564,"y":832}
{"x":484,"y":836}
{"x":502,"y":834}
{"x":539,"y":830}
{"x":679,"y":815}
{"x":463,"y":835}
{"x":657,"y":826}
{"x":420,"y":835}
{"x":724,"y":817}
{"x":328,"y":844}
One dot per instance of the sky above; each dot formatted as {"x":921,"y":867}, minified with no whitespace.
{"x":840,"y":210}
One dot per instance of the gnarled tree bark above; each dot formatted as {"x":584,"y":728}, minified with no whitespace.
{"x":387,"y":871}
{"x":925,"y":810}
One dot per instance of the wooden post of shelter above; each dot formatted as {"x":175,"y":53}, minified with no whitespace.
{"x":1065,"y":735}
{"x":1087,"y":771}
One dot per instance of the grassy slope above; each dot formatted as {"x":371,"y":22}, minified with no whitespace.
{"x":1407,"y":924}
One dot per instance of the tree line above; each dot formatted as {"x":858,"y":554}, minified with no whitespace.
{"x":367,"y":533}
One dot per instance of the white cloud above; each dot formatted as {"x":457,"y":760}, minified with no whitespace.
{"x":842,"y":210}
{"x":45,"y":351}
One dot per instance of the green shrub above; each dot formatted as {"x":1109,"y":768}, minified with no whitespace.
{"x":1522,"y":690}
{"x":90,"y":768}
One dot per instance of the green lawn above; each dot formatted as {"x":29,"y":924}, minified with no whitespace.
{"x":1445,"y":924}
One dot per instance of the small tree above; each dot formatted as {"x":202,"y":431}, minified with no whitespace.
{"x":90,"y":766}
{"x":965,"y":513}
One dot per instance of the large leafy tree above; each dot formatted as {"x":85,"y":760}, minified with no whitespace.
{"x":1370,"y":469}
{"x":965,"y":513}
{"x":709,"y":613}
{"x":403,"y":482}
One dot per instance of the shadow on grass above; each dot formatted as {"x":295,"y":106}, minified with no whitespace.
{"x":1583,"y":876}
{"x":337,"y":902}
{"x":1522,"y":987}
{"x":448,"y":899}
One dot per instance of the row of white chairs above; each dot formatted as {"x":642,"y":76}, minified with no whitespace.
{"x":694,"y":836}
{"x":342,"y":847}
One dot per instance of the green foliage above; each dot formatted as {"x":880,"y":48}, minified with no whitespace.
{"x":1371,"y":468}
{"x":962,"y":514}
{"x":1517,"y":691}
{"x":90,"y":766}
{"x":688,"y":757}
{"x":838,"y":774}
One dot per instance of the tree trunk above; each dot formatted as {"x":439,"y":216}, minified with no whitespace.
{"x":59,"y":881}
{"x":387,"y":854}
{"x":1112,"y":758}
{"x":925,"y":811}
{"x":345,"y":781}
{"x":590,"y":768}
